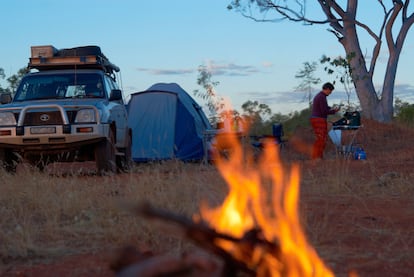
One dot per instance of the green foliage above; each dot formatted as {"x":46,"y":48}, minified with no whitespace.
{"x":254,"y":114}
{"x":290,"y":123}
{"x":214,"y":103}
{"x":341,"y":69}
{"x":255,"y":109}
{"x":275,"y":118}
{"x":297,"y":120}
{"x":404,"y":112}
{"x":279,"y":118}
{"x":232,"y":115}
{"x":2,"y":76}
{"x":398,"y":105}
{"x":13,"y":81}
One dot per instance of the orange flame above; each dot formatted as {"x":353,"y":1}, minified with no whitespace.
{"x":263,"y":197}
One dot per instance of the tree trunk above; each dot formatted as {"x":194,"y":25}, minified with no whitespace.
{"x":380,"y":109}
{"x":373,"y":107}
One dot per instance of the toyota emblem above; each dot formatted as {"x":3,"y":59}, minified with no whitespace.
{"x":44,"y":117}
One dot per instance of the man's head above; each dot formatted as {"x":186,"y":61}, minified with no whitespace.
{"x":327,"y":88}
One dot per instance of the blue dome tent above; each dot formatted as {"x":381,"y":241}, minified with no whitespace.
{"x":166,"y":123}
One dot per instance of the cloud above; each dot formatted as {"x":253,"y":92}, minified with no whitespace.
{"x":216,"y":69}
{"x":267,"y":64}
{"x":277,"y":97}
{"x":167,"y":71}
{"x":279,"y":101}
{"x":230,"y":69}
{"x":405,"y":92}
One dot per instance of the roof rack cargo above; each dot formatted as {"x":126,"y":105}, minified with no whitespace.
{"x":47,"y":57}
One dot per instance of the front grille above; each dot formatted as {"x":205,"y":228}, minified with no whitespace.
{"x":46,"y":118}
{"x":43,"y":118}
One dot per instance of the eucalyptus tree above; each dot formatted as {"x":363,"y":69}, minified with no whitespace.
{"x":255,"y":114}
{"x":15,"y":79}
{"x":347,"y":25}
{"x":204,"y":79}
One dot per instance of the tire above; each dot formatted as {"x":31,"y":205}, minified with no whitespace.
{"x":9,"y":160}
{"x":124,"y":162}
{"x":105,"y":156}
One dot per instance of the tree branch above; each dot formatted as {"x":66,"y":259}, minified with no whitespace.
{"x":388,"y":27}
{"x":407,"y":23}
{"x":333,"y":21}
{"x":378,"y":39}
{"x":405,"y":9}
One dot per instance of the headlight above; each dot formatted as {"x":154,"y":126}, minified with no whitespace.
{"x":7,"y":119}
{"x":85,"y":116}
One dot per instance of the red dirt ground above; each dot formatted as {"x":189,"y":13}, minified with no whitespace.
{"x":371,"y":232}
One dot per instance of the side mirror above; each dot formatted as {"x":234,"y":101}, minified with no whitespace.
{"x":5,"y":98}
{"x":116,"y":94}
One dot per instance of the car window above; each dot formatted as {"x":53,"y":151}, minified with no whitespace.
{"x":66,"y":85}
{"x":110,"y":85}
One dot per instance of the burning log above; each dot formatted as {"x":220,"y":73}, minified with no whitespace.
{"x":131,"y":263}
{"x":211,"y":240}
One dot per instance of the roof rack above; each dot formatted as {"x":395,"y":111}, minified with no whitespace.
{"x":48,"y":58}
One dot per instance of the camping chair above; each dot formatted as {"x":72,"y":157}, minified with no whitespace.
{"x":278,"y":134}
{"x":276,"y":137}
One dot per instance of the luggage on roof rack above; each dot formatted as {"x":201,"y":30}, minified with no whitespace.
{"x":48,"y":58}
{"x":91,"y":50}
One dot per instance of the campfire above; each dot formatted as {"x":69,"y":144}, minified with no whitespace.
{"x":257,"y":228}
{"x":263,"y":198}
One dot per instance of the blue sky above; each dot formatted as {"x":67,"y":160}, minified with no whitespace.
{"x":166,"y":41}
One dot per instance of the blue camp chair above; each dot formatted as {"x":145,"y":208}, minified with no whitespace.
{"x":276,"y":137}
{"x":277,"y":131}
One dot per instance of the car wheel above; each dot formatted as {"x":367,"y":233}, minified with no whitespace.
{"x":124,"y":162}
{"x":105,"y":155}
{"x":9,"y":160}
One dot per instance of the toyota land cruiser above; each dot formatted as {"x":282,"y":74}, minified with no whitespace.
{"x":67,"y":108}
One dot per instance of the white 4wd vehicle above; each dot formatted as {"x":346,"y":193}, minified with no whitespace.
{"x":71,"y":109}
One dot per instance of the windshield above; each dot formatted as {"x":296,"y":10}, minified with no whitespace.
{"x":36,"y":87}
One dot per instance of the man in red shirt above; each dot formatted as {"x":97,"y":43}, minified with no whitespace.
{"x":320,"y":112}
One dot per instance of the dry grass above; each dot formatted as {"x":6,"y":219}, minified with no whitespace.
{"x":47,"y":216}
{"x":358,"y":214}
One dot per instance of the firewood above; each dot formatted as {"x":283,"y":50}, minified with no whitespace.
{"x":166,"y":265}
{"x":127,"y":256}
{"x":209,"y":239}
